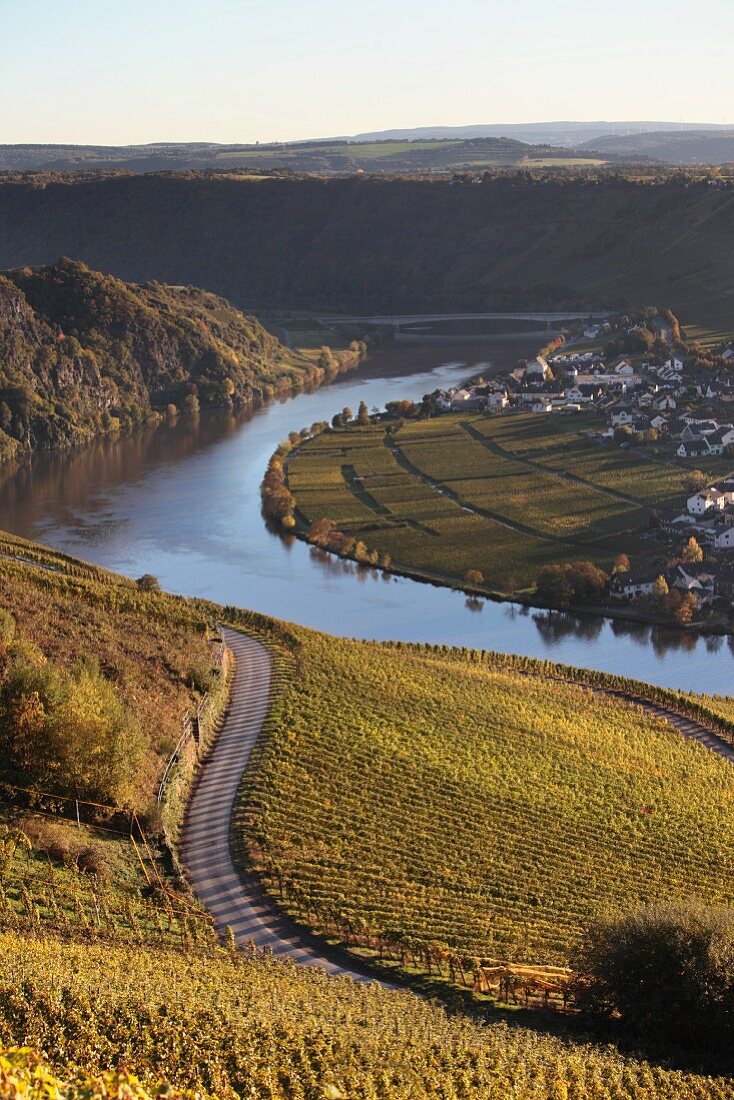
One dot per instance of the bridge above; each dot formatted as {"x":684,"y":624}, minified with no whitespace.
{"x":399,"y":319}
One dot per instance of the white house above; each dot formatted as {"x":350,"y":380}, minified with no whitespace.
{"x":622,"y":417}
{"x":700,"y":503}
{"x":674,"y":364}
{"x":624,"y":367}
{"x":632,"y":586}
{"x":660,"y":423}
{"x":497,"y":402}
{"x":725,"y":539}
{"x":692,"y":448}
{"x":538,"y":368}
{"x":541,"y":405}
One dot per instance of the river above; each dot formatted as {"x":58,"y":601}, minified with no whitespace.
{"x":182,"y":503}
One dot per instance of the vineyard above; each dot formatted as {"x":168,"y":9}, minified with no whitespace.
{"x":443,"y":810}
{"x":151,"y":649}
{"x":501,"y":495}
{"x":249,"y":1026}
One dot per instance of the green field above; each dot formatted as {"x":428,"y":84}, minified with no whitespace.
{"x":503,"y":495}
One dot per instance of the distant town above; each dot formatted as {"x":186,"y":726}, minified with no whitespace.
{"x":671,"y":400}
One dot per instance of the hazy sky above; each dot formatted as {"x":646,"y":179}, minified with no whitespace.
{"x":121,"y":71}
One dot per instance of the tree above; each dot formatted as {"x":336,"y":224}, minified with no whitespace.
{"x":320,"y":531}
{"x":70,"y":730}
{"x":660,"y":589}
{"x":363,"y":414}
{"x":587,"y":581}
{"x":337,"y":420}
{"x":621,"y":564}
{"x":347,"y":414}
{"x":553,"y":586}
{"x":686,"y":609}
{"x":696,"y":481}
{"x":148,"y":583}
{"x":692,"y":551}
{"x":474,"y":576}
{"x":579,"y":581}
{"x":667,"y":970}
{"x":278,"y":503}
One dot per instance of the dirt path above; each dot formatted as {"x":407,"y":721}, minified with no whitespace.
{"x":237,"y":900}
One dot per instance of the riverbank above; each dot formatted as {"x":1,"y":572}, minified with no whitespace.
{"x":626,"y":614}
{"x":486,"y":506}
{"x":183,"y":503}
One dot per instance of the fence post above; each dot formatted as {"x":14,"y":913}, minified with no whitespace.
{"x":78,"y":822}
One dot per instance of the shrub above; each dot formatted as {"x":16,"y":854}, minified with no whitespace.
{"x":90,"y":860}
{"x":667,"y":970}
{"x":148,"y":583}
{"x":68,"y":729}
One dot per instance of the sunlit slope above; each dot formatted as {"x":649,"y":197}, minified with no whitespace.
{"x":433,"y":795}
{"x":269,"y":1031}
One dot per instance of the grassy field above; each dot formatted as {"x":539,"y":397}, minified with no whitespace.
{"x":504,"y":495}
{"x":433,"y":796}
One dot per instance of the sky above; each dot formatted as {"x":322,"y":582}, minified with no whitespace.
{"x":130,"y":71}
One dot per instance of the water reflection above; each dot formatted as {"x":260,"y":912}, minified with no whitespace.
{"x":182,"y":502}
{"x":554,"y":626}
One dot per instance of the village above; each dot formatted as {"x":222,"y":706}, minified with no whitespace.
{"x":666,"y":405}
{"x":642,"y":403}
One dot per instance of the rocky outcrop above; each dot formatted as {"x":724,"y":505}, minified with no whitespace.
{"x":82,"y":353}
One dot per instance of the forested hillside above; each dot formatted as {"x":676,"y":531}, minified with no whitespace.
{"x":389,"y":244}
{"x":672,"y":146}
{"x":82,"y":352}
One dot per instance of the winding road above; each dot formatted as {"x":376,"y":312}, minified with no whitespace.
{"x":235,"y":899}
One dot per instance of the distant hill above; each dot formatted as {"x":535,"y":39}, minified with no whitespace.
{"x":685,"y":147}
{"x":381,"y":245}
{"x":333,"y":157}
{"x":82,"y":352}
{"x":553,"y":133}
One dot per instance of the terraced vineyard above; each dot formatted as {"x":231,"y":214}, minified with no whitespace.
{"x":502,"y":495}
{"x":269,"y":1031}
{"x":409,"y":796}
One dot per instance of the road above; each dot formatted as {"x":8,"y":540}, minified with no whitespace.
{"x":236,"y":900}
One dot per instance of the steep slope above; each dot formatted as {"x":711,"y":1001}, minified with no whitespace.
{"x":82,"y":352}
{"x":372,"y":244}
